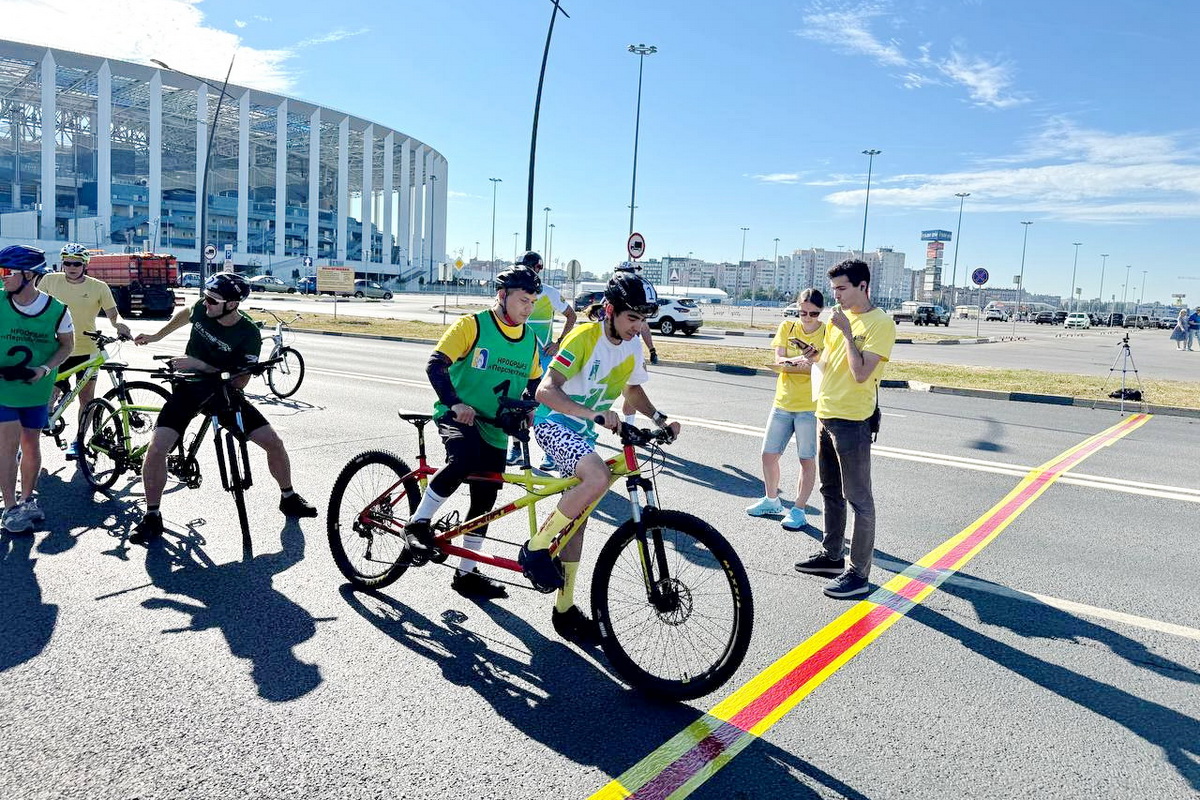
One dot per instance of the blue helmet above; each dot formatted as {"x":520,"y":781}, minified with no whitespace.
{"x":24,"y":258}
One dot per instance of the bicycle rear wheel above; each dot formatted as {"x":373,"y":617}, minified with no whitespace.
{"x":685,"y":638}
{"x":101,"y":445}
{"x":285,"y":377}
{"x":372,"y":499}
{"x":145,"y":400}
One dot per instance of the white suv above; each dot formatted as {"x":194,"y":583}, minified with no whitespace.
{"x":1077,"y":320}
{"x":677,"y":315}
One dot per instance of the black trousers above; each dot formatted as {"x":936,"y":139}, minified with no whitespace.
{"x":468,"y":453}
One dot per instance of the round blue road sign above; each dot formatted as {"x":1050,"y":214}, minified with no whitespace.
{"x":979,"y":277}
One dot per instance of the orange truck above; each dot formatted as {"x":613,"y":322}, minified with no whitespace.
{"x":142,"y":283}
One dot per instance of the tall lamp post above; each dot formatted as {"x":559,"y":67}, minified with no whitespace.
{"x":516,"y":245}
{"x":962,"y":198}
{"x":1071,"y":299}
{"x":537,"y":108}
{"x":737,"y":275}
{"x":1142,"y":295}
{"x":202,"y":234}
{"x":641,"y":51}
{"x":495,"y":182}
{"x":550,"y":249}
{"x":1125,"y":288}
{"x":870,"y":154}
{"x":545,"y":230}
{"x":1103,"y":262}
{"x":1021,"y":279}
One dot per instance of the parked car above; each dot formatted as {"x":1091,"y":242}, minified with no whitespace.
{"x":682,"y":314}
{"x":588,"y":298}
{"x":269,"y":283}
{"x":1077,"y":319}
{"x":1115,"y":319}
{"x":1096,"y":320}
{"x":1136,"y":321}
{"x":1060,"y":317}
{"x":190,"y":280}
{"x":1044,"y":318}
{"x":1166,"y":323}
{"x":995,"y":315}
{"x":364,"y":288}
{"x":921,"y":314}
{"x":791,"y":311}
{"x":307,"y":285}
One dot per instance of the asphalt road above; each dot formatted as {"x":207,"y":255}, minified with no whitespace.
{"x":1062,"y":661}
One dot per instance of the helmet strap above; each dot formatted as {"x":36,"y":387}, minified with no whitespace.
{"x":502,"y":305}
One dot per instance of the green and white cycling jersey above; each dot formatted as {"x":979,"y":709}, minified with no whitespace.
{"x":541,"y":321}
{"x":596,"y":371}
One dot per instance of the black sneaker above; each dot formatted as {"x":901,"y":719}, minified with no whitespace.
{"x":296,"y":506}
{"x":821,"y":564}
{"x":151,"y":527}
{"x":541,"y":569}
{"x":476,"y":584}
{"x":418,"y":535}
{"x":576,"y":627}
{"x":848,"y":584}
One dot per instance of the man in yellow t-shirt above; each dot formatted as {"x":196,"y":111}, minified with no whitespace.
{"x":86,"y":298}
{"x":793,"y":412}
{"x":846,"y":375}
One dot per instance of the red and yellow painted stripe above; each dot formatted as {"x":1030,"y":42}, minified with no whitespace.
{"x":681,"y":765}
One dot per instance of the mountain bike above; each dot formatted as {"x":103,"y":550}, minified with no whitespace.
{"x":284,"y":378}
{"x":107,"y":447}
{"x":669,"y":593}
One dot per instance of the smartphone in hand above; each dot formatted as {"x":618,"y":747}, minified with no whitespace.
{"x":807,"y":349}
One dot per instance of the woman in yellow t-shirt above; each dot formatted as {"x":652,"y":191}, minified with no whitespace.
{"x":793,"y":412}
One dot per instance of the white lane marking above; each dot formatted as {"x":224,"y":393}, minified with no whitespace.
{"x":980,"y":465}
{"x":376,"y":378}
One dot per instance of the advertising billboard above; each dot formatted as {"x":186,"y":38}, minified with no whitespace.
{"x":935,"y":236}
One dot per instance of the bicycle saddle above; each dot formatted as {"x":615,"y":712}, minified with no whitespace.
{"x":416,"y":419}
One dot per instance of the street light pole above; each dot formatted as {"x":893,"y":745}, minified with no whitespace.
{"x":737,"y":275}
{"x":962,"y":198}
{"x":870,"y":154}
{"x":641,"y":51}
{"x":537,"y":108}
{"x":202,"y":234}
{"x":516,"y":245}
{"x":1125,"y":288}
{"x":1021,"y":280}
{"x":1142,"y":295}
{"x":550,"y":248}
{"x":492,"y":263}
{"x":1103,"y":263}
{"x":545,"y":230}
{"x":1071,"y":300}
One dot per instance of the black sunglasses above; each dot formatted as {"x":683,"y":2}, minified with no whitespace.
{"x":212,"y":301}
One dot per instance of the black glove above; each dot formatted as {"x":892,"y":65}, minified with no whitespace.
{"x":653,"y":356}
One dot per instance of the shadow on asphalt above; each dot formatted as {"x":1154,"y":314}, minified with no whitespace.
{"x":573,"y":706}
{"x":1176,"y":734}
{"x":26,"y":622}
{"x":991,"y":441}
{"x":260,"y":624}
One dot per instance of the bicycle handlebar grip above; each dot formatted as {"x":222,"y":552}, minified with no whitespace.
{"x":598,"y":419}
{"x":163,"y":358}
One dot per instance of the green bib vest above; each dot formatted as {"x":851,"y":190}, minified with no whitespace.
{"x":496,"y":366}
{"x":28,"y":341}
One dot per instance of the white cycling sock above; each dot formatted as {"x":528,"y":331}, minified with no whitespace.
{"x":630,"y":418}
{"x":429,"y":505}
{"x":471,"y":543}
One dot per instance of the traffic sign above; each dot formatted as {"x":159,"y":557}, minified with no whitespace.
{"x":210,"y":252}
{"x":979,"y":277}
{"x":636,"y":245}
{"x":674,"y":276}
{"x":458,"y":263}
{"x":573,"y":270}
{"x":228,"y":257}
{"x":307,"y":261}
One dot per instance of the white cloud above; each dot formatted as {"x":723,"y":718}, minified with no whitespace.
{"x":240,"y":23}
{"x":847,"y":28}
{"x":988,"y":84}
{"x":779,"y":177}
{"x":1098,"y":177}
{"x":173,"y":31}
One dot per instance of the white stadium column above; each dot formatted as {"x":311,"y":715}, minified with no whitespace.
{"x":389,"y":166}
{"x":442,"y":192}
{"x":343,"y":186}
{"x":154,"y":206}
{"x":367,"y":206}
{"x":427,"y":230}
{"x":419,"y":261}
{"x":404,"y":213}
{"x":49,"y":193}
{"x":281,"y":151}
{"x":314,"y":167}
{"x":103,"y":153}
{"x":242,"y":242}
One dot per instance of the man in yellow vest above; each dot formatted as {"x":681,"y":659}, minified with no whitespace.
{"x":87,"y":298}
{"x":846,"y":376}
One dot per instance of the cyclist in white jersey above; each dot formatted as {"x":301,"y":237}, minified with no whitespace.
{"x":595,"y":365}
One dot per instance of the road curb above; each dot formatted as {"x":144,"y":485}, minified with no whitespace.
{"x":914,"y":386}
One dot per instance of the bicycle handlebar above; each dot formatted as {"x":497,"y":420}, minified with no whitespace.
{"x":171,"y":374}
{"x":280,"y":319}
{"x":639,"y":437}
{"x":104,"y":341}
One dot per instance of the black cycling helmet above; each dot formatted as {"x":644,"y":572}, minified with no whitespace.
{"x":531,"y":259}
{"x":630,"y":292}
{"x":229,"y":286}
{"x":519,"y":278}
{"x":24,"y":258}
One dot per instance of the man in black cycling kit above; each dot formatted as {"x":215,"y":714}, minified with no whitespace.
{"x":479,"y":359}
{"x":223,"y":339}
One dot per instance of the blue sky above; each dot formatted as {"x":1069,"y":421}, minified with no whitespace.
{"x":1079,"y":116}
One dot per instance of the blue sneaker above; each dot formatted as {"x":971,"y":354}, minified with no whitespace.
{"x":514,"y":455}
{"x":795,"y":520}
{"x":543,"y":570}
{"x":848,"y":584}
{"x":765,"y":507}
{"x":548,"y":465}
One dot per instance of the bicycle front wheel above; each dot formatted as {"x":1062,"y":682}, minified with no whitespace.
{"x":372,"y":498}
{"x":142,"y":401}
{"x":674,"y":606}
{"x":285,"y":377}
{"x":101,"y":445}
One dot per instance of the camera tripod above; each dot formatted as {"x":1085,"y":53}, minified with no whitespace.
{"x":1125,"y":359}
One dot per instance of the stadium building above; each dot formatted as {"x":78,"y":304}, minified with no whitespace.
{"x":290,"y":186}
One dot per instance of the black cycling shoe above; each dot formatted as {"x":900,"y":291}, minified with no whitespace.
{"x":541,"y":569}
{"x":576,"y":627}
{"x":151,"y":527}
{"x":418,"y":535}
{"x":296,"y":506}
{"x":476,"y":584}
